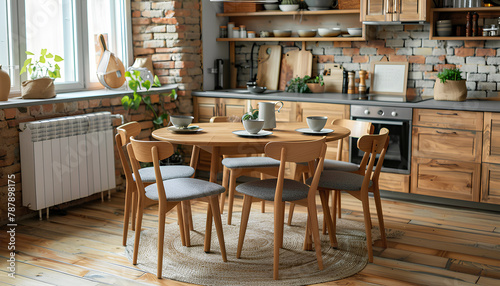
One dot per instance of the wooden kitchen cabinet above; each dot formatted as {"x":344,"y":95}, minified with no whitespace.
{"x":207,"y":107}
{"x":490,"y":183}
{"x":491,"y":138}
{"x":394,"y":10}
{"x":446,"y":153}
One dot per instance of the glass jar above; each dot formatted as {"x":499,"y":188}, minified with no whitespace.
{"x":243,"y":31}
{"x":230,"y":27}
{"x":223,"y":32}
{"x":251,"y":34}
{"x":236,"y":32}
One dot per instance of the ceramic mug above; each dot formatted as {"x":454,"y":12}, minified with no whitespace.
{"x":253,"y":126}
{"x":316,"y":123}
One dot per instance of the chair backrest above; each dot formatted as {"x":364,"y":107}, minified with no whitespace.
{"x":312,"y":152}
{"x":358,"y":128}
{"x":147,"y":152}
{"x":373,"y":145}
{"x":219,"y":119}
{"x":123,"y":133}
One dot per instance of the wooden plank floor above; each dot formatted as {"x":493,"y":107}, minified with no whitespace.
{"x":441,"y":246}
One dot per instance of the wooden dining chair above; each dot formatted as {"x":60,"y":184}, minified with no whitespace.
{"x":360,"y":184}
{"x":236,"y":165}
{"x":122,"y":138}
{"x":169,"y":193}
{"x":358,"y":128}
{"x":281,"y":190}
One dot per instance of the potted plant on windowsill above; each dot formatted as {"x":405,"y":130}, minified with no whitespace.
{"x":42,"y":71}
{"x":450,"y":86}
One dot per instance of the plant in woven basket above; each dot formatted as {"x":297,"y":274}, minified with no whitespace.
{"x":42,"y":71}
{"x":450,"y":85}
{"x":450,"y":74}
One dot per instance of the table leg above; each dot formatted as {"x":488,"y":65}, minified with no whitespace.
{"x":214,"y":166}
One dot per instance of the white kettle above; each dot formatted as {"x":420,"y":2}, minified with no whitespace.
{"x":267,"y":113}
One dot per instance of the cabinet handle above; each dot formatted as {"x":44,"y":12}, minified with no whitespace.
{"x":440,"y":132}
{"x":441,"y":113}
{"x":223,"y":109}
{"x":387,"y":4}
{"x":447,"y":165}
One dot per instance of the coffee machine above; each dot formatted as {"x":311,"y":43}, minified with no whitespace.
{"x":221,"y":74}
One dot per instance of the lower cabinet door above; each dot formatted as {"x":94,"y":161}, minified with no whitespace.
{"x":490,"y":186}
{"x":394,"y":182}
{"x":446,"y":178}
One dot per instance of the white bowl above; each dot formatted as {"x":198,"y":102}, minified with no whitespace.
{"x":316,"y":123}
{"x":273,"y":6}
{"x":253,"y":126}
{"x":307,"y":33}
{"x":329,"y":32}
{"x":354,"y":31}
{"x":181,"y":121}
{"x":443,"y":22}
{"x":287,"y":8}
{"x":282,"y":33}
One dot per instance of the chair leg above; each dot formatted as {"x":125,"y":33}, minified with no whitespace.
{"x":296,"y":177}
{"x":180,"y":221}
{"x":214,"y":203}
{"x":230,"y":199}
{"x":190,"y":215}
{"x":126,"y":214}
{"x":327,"y":219}
{"x":225,"y":184}
{"x":135,"y":198}
{"x":263,"y":203}
{"x":208,"y":230}
{"x":245,"y":213}
{"x":161,"y":236}
{"x":313,"y":214}
{"x":380,"y":215}
{"x":308,"y":236}
{"x":278,"y":237}
{"x":339,"y":198}
{"x":138,"y":225}
{"x":184,"y":207}
{"x":367,"y":220}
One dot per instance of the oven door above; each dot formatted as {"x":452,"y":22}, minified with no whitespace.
{"x":397,"y":158}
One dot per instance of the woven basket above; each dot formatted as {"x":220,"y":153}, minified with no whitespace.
{"x":40,"y":88}
{"x":450,"y":90}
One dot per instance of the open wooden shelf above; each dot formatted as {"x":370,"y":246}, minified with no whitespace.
{"x":294,"y":39}
{"x":451,"y":38}
{"x":291,"y":13}
{"x":472,"y":9}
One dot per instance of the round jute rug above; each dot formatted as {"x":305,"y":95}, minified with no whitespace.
{"x":297,"y":267}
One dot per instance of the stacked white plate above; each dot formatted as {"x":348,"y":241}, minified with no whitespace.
{"x":444,"y":28}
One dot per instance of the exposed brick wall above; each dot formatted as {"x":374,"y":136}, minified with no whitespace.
{"x":170,"y":33}
{"x":479,"y":60}
{"x":10,"y":161}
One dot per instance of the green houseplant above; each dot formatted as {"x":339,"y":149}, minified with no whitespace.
{"x":42,"y":71}
{"x":306,"y":84}
{"x":450,"y":85}
{"x":136,"y":83}
{"x":315,"y":84}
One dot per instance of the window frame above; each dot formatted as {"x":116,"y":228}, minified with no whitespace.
{"x":16,"y":45}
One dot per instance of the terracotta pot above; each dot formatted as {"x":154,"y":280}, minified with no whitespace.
{"x":4,"y":85}
{"x":316,"y":87}
{"x":452,"y":90}
{"x":39,"y":88}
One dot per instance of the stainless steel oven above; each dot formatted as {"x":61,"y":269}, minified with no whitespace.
{"x":398,"y":121}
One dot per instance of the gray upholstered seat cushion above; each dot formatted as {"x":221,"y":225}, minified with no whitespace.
{"x":338,"y":165}
{"x":167,"y":172}
{"x":185,"y":189}
{"x":265,"y":189}
{"x":338,"y":180}
{"x":250,"y":162}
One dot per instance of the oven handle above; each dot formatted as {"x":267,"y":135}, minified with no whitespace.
{"x":388,"y":122}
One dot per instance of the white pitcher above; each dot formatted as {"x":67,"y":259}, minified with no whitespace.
{"x":266,"y":112}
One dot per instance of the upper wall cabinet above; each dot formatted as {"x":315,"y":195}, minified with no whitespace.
{"x":394,"y":10}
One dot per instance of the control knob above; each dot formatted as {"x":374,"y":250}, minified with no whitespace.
{"x":367,"y":112}
{"x":380,"y":112}
{"x":394,"y":114}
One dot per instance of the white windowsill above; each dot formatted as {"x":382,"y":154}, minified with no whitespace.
{"x":80,"y":95}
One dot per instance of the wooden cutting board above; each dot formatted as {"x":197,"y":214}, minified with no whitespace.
{"x":288,"y":63}
{"x":333,"y":76}
{"x":268,"y":67}
{"x":303,"y":65}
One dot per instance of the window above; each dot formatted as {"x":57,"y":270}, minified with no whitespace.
{"x":68,"y":28}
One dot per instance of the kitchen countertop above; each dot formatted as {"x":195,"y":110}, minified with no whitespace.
{"x":352,"y":99}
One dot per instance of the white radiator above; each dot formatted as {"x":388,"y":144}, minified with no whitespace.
{"x":66,"y":158}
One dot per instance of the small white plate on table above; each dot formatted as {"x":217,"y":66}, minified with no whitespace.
{"x":310,"y":132}
{"x":244,"y":133}
{"x":187,"y":130}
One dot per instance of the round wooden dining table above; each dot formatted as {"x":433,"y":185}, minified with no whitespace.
{"x":219,"y":139}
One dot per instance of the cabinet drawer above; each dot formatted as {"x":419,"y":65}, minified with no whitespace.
{"x":332,"y":111}
{"x":491,"y":138}
{"x":490,"y":185}
{"x":447,"y":144}
{"x":446,"y":178}
{"x":453,"y":119}
{"x":394,"y":182}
